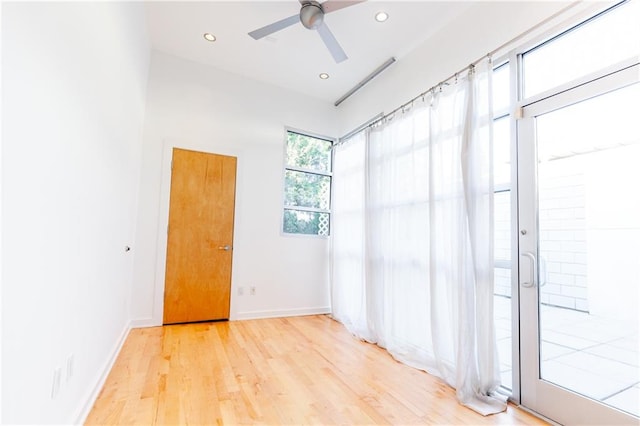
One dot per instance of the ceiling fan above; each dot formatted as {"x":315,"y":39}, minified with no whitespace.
{"x":312,"y":17}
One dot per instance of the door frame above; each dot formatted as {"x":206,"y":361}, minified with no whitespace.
{"x":543,"y":397}
{"x":163,"y":220}
{"x":566,"y":18}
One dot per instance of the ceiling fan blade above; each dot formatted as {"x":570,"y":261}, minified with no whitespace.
{"x":331,"y":43}
{"x":331,"y":5}
{"x":275,"y":27}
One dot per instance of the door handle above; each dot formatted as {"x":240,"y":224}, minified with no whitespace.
{"x":225,"y":248}
{"x":532,"y":274}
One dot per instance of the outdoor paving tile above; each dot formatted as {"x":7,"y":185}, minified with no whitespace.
{"x":628,"y":343}
{"x":594,"y":356}
{"x":591,"y":332}
{"x":506,"y":378}
{"x":614,"y":370}
{"x":550,"y":350}
{"x":611,"y":323}
{"x":579,"y":380}
{"x":554,"y":317}
{"x":628,"y":400}
{"x":567,"y":340}
{"x":615,"y":353}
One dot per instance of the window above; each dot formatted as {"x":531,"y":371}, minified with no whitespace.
{"x":606,"y":39}
{"x":502,"y":172}
{"x":307,"y":184}
{"x":502,"y":218}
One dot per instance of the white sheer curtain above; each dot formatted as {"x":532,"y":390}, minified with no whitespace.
{"x":413,"y":238}
{"x":348,"y":298}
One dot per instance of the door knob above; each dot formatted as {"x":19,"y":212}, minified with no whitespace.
{"x":225,"y":248}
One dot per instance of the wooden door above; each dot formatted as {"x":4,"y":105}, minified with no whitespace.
{"x":200,"y":237}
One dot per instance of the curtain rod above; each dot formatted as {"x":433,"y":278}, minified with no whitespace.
{"x":474,"y":63}
{"x":361,"y":127}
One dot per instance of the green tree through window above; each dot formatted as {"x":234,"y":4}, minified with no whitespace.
{"x":307,"y":185}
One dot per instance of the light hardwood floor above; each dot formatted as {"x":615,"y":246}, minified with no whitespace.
{"x":301,"y":370}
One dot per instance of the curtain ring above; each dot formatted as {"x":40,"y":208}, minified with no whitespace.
{"x":472,"y":69}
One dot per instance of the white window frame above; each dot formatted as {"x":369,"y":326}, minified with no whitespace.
{"x":287,"y":167}
{"x":500,"y":115}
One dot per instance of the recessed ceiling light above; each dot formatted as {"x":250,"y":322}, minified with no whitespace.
{"x":382,"y":16}
{"x":209,"y":37}
{"x":324,"y":76}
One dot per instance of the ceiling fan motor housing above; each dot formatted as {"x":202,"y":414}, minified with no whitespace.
{"x":311,"y":15}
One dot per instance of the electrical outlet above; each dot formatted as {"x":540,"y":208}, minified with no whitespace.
{"x":70,"y":361}
{"x":252,"y":290}
{"x":240,"y":291}
{"x":55,"y":386}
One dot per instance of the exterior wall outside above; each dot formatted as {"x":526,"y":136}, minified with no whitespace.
{"x":563,"y":251}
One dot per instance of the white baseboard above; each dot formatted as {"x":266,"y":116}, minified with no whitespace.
{"x":281,"y":313}
{"x":95,"y":392}
{"x":144,"y":323}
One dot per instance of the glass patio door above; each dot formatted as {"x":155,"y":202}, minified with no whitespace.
{"x":579,"y":251}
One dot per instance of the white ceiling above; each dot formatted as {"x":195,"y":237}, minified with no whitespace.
{"x":294,"y":57}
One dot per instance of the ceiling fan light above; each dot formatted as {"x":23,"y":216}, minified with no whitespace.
{"x":311,"y":15}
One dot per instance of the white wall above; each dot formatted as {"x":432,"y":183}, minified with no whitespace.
{"x":479,"y":30}
{"x":198,"y":107}
{"x":1,"y":210}
{"x":74,"y":81}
